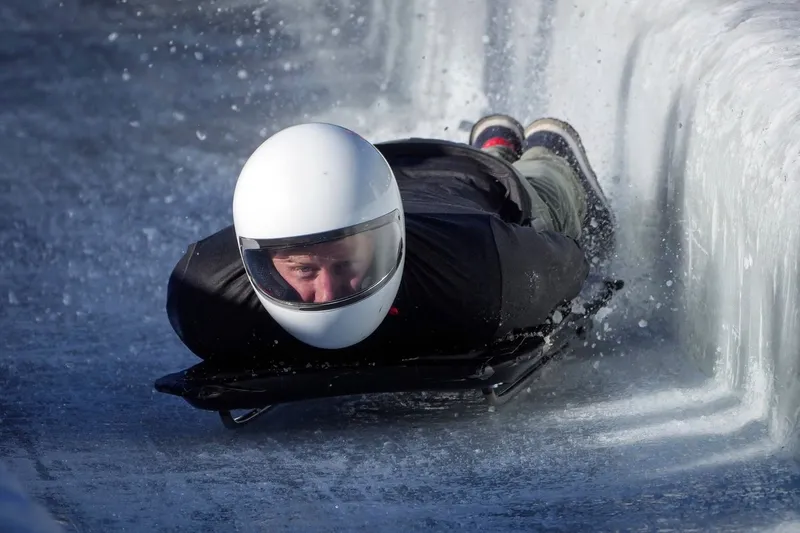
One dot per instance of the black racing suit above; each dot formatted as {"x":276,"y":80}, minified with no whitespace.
{"x":476,"y":268}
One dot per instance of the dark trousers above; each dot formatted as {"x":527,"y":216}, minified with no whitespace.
{"x":557,"y":196}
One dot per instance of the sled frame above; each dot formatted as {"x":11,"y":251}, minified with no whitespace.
{"x":495,"y":395}
{"x":236,"y":422}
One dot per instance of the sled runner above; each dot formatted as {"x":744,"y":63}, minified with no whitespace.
{"x":500,"y":372}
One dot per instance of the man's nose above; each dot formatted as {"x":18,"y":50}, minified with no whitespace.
{"x":326,"y":286}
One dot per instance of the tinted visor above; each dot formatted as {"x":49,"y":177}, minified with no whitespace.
{"x":325,"y":270}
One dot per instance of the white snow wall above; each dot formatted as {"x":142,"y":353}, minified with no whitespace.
{"x":690,"y":110}
{"x":687,"y":109}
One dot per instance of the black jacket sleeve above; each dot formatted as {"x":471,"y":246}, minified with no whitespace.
{"x":212,"y":306}
{"x":539,"y":269}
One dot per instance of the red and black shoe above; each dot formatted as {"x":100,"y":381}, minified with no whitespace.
{"x":498,"y":131}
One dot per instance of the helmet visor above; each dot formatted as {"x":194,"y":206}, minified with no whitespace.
{"x":328,"y":269}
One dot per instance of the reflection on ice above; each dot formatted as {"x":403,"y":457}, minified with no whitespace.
{"x":643,"y":405}
{"x":759,"y":450}
{"x":723,"y":422}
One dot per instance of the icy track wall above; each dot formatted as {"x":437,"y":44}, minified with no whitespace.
{"x":690,"y":111}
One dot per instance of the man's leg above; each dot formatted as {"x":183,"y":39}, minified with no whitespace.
{"x":564,"y":191}
{"x":555,"y":188}
{"x":557,"y":166}
{"x":549,"y":181}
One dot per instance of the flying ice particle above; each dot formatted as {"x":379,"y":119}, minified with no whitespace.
{"x":150,"y":233}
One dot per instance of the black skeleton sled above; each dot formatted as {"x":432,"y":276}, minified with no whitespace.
{"x":500,"y":372}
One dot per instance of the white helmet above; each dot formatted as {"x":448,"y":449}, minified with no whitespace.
{"x":321,"y":231}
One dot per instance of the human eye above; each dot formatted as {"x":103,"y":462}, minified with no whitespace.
{"x":303,"y":271}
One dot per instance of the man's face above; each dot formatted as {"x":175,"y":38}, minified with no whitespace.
{"x":328,"y":271}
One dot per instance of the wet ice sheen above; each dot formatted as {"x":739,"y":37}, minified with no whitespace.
{"x":678,"y":413}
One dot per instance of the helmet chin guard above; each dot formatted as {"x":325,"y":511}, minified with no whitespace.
{"x":321,"y":230}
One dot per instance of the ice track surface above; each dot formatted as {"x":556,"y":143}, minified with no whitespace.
{"x":124,"y":126}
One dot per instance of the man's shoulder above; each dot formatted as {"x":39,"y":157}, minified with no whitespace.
{"x":424,"y":146}
{"x":419,"y":141}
